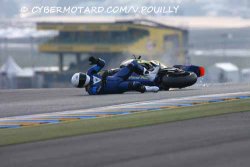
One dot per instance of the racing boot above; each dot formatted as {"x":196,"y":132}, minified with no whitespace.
{"x":152,"y":89}
{"x":151,"y":75}
{"x":137,"y":86}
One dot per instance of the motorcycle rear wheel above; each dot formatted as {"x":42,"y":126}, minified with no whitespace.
{"x":178,"y":81}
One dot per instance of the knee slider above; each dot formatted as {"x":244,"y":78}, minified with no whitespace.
{"x":133,"y":64}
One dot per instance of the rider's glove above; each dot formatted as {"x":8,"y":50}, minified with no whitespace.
{"x":93,"y":60}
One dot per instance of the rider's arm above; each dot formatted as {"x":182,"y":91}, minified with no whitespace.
{"x":99,"y":64}
{"x":93,"y":90}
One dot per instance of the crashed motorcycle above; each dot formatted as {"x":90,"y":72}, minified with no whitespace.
{"x":178,"y":76}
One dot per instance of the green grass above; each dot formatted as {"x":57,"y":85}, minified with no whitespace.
{"x":45,"y":132}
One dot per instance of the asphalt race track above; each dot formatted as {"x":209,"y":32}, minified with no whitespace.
{"x":23,"y":102}
{"x":222,"y":141}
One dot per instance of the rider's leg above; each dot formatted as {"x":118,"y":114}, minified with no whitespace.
{"x":127,"y":71}
{"x":139,"y":69}
{"x":122,"y":76}
{"x":136,"y":86}
{"x":131,"y":86}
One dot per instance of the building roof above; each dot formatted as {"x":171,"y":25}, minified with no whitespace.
{"x":206,"y":22}
{"x":109,"y":20}
{"x":227,"y":66}
{"x":171,"y":21}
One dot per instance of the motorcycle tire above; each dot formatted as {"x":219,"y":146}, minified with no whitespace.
{"x":179,"y":81}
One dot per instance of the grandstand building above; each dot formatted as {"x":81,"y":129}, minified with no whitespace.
{"x":113,"y":36}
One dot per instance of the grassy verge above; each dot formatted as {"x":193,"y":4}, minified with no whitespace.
{"x":45,"y":132}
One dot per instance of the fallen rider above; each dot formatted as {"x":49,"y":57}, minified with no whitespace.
{"x":96,"y":83}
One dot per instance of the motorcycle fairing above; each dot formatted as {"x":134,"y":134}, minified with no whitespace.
{"x":198,"y":70}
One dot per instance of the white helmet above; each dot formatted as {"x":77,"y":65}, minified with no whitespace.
{"x":80,"y":80}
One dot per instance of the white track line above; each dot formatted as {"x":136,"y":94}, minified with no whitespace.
{"x":108,"y":108}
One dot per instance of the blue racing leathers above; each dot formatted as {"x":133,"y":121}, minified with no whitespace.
{"x":96,"y":82}
{"x":116,"y":83}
